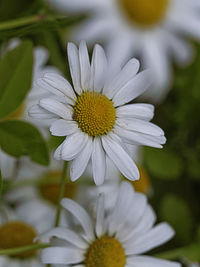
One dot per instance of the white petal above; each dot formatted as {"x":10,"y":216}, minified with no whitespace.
{"x":84,"y":65}
{"x":134,"y":216}
{"x":81,"y":215}
{"x":61,"y":255}
{"x":98,"y":162}
{"x":60,"y":85}
{"x":147,"y":261}
{"x":98,"y":69}
{"x":135,"y":87}
{"x":57,"y":108}
{"x":65,"y":234}
{"x":157,"y":236}
{"x":79,"y":164}
{"x":140,"y":126}
{"x":57,"y":153}
{"x":122,"y":207}
{"x":136,"y":138}
{"x":125,"y":75}
{"x":120,"y":157}
{"x":100,"y":217}
{"x":40,"y":113}
{"x":74,"y":65}
{"x":142,"y":224}
{"x":73,"y":145}
{"x":63,"y":127}
{"x":139,"y":111}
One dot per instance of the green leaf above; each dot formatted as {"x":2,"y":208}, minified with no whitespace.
{"x":55,"y":141}
{"x":16,"y":77}
{"x":176,"y":211}
{"x":191,"y":253}
{"x":19,"y":138}
{"x":163,"y":164}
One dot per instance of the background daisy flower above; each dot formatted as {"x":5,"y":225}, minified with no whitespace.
{"x":18,"y":227}
{"x":115,"y":240}
{"x":94,"y":114}
{"x":156,"y":30}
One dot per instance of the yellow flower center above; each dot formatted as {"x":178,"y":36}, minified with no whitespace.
{"x":105,"y":252}
{"x":145,"y":13}
{"x":15,"y":114}
{"x":50,"y":187}
{"x":143,"y":184}
{"x":16,"y":234}
{"x":94,"y":113}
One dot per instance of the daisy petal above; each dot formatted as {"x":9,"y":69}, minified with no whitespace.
{"x":98,"y":69}
{"x":59,"y":85}
{"x":144,"y":223}
{"x":57,"y":153}
{"x":40,"y":113}
{"x":64,"y":234}
{"x":100,"y":217}
{"x":157,"y":236}
{"x":61,"y":255}
{"x":125,"y":75}
{"x":136,"y":138}
{"x":56,"y":108}
{"x":84,"y":65}
{"x":81,"y":215}
{"x":139,"y":111}
{"x":147,"y":261}
{"x":73,"y":145}
{"x":63,"y":127}
{"x":98,"y":162}
{"x":121,"y":208}
{"x":74,"y":65}
{"x":134,"y":216}
{"x":135,"y":87}
{"x":120,"y":157}
{"x":79,"y":164}
{"x":140,"y":126}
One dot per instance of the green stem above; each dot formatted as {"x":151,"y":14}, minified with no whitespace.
{"x":191,"y":251}
{"x":61,"y":193}
{"x":21,"y":22}
{"x":19,"y":250}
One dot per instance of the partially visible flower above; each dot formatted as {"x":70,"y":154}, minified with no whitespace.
{"x":18,"y":228}
{"x":156,"y":30}
{"x":94,"y":115}
{"x":9,"y":164}
{"x":115,"y":240}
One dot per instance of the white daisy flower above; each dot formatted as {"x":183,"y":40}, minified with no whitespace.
{"x":9,"y":164}
{"x":115,"y":240}
{"x":18,"y":228}
{"x":157,"y":30}
{"x":94,"y":115}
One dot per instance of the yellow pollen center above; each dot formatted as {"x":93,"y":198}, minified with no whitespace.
{"x":16,"y":234}
{"x":143,"y":185}
{"x":105,"y":252}
{"x":145,"y":13}
{"x":94,"y":113}
{"x":50,"y":187}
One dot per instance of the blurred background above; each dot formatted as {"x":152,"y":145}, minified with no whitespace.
{"x":170,"y":176}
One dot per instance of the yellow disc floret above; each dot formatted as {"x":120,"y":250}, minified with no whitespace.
{"x":50,"y":187}
{"x":94,"y":113}
{"x":145,"y":13}
{"x":105,"y":252}
{"x":16,"y":234}
{"x":143,"y":185}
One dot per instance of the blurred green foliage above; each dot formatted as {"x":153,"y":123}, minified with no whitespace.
{"x":19,"y":138}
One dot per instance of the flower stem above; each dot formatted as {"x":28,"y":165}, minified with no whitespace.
{"x":19,"y":250}
{"x":61,"y":193}
{"x":21,"y":22}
